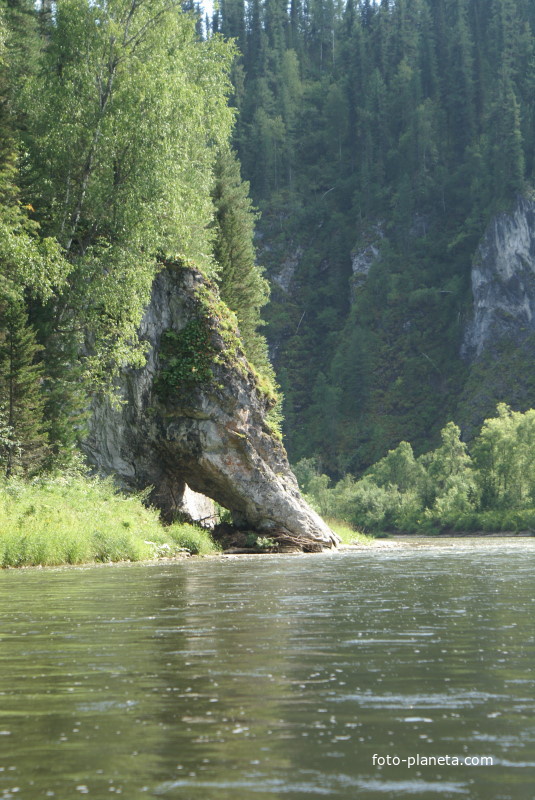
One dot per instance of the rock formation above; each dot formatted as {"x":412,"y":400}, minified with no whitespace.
{"x":364,"y":256}
{"x":503,"y":281}
{"x":198,"y":417}
{"x":499,"y":340}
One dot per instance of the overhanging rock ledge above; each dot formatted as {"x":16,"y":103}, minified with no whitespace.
{"x":211,"y":435}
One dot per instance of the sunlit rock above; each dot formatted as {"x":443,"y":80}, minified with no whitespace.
{"x":210,"y":434}
{"x":503,"y":282}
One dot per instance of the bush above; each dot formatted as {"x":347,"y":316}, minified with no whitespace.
{"x":441,"y":490}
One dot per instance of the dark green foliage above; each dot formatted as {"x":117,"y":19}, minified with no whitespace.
{"x":31,"y":269}
{"x":67,"y":396}
{"x":186,"y":359}
{"x":241,"y":283}
{"x":24,"y":445}
{"x":412,"y":117}
{"x":24,"y":28}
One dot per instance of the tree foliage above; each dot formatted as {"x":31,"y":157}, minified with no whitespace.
{"x":124,"y":116}
{"x":242,"y":285}
{"x":402,"y":125}
{"x":490,"y":488}
{"x":112,"y":115}
{"x":24,"y":443}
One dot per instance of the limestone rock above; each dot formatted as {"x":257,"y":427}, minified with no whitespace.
{"x":284,"y":277}
{"x":199,"y":508}
{"x":365,"y":254}
{"x":503,"y":282}
{"x":212,"y":437}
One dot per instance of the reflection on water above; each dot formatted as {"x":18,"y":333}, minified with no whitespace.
{"x":272,"y":677}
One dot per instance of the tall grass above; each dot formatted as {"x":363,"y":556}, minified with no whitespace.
{"x":75,"y":520}
{"x":347,"y":533}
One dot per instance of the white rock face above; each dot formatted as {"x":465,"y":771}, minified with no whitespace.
{"x":365,"y":255}
{"x":284,"y":277}
{"x":215,"y":439}
{"x":503,"y":281}
{"x":199,"y":507}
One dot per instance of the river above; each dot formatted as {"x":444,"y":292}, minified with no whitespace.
{"x":273,"y":677}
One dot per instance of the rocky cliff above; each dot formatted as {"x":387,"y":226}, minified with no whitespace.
{"x":503,"y":281}
{"x":499,"y":340}
{"x":196,"y":414}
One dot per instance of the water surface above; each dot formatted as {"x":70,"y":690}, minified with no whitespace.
{"x":272,"y":677}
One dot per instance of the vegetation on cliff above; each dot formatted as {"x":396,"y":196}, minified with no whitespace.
{"x":114,"y":159}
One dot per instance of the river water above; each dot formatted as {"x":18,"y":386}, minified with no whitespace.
{"x":273,"y":676}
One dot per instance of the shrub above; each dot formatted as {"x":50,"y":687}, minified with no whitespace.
{"x":441,"y":490}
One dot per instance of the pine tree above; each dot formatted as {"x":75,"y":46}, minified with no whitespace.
{"x":242,"y":285}
{"x":25,"y":28}
{"x":459,"y":80}
{"x":505,"y":156}
{"x":32,"y":270}
{"x":21,"y":398}
{"x":233,"y":21}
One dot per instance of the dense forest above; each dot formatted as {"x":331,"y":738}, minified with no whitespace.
{"x":379,"y":139}
{"x":489,"y":486}
{"x":376,"y":142}
{"x":114,"y":159}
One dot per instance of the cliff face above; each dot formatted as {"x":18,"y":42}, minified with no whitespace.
{"x":499,"y":341}
{"x":206,"y":428}
{"x":503,"y":282}
{"x":364,"y":256}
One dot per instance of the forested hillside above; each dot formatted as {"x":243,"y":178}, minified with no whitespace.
{"x":380,"y":139}
{"x":114,"y":158}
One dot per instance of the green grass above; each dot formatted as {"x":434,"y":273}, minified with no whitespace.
{"x":76,"y":520}
{"x":347,"y":534}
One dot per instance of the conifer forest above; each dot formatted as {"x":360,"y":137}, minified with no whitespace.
{"x":391,"y":133}
{"x":335,"y":168}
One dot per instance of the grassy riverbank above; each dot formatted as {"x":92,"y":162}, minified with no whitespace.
{"x":347,"y":534}
{"x":76,"y":520}
{"x":52,"y":521}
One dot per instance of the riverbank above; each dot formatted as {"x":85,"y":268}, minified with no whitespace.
{"x":465,"y":535}
{"x":76,"y":520}
{"x":401,"y":544}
